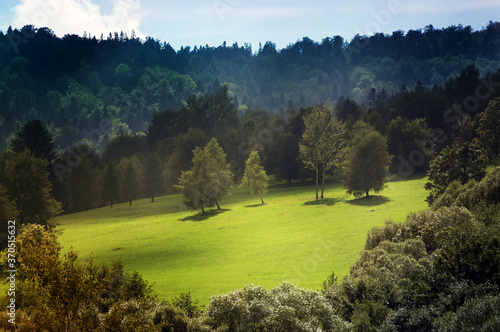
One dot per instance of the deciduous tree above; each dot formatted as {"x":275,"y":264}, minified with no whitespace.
{"x":27,"y":181}
{"x":489,"y":129}
{"x":220,"y":177}
{"x":255,"y":178}
{"x":322,"y":142}
{"x":208,"y":181}
{"x":459,"y":162}
{"x":367,"y":161}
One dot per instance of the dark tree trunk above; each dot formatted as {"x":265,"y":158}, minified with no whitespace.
{"x":317,"y":176}
{"x":323,"y":184}
{"x":202,"y":210}
{"x":152,"y":198}
{"x":367,"y":193}
{"x":130,"y":204}
{"x":262,"y":200}
{"x":217,"y":203}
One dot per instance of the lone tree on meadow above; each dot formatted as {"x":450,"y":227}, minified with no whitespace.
{"x":367,"y":161}
{"x":322,"y":142}
{"x":208,"y":181}
{"x":255,"y":178}
{"x":220,"y":178}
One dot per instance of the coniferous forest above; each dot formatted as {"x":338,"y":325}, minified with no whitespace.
{"x":93,"y":121}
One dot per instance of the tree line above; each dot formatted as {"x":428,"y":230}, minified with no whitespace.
{"x":413,"y":126}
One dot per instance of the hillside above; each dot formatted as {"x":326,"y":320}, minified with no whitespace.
{"x":292,"y":237}
{"x":74,"y":83}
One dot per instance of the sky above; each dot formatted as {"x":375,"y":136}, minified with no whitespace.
{"x":211,"y":22}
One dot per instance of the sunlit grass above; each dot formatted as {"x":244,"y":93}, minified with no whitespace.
{"x":292,"y":237}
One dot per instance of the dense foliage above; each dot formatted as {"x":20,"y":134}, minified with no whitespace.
{"x":208,"y":181}
{"x":98,"y":85}
{"x":255,"y":178}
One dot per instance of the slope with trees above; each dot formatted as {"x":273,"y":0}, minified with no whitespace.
{"x":83,"y":84}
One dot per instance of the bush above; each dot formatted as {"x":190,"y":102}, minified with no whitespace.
{"x":285,"y":308}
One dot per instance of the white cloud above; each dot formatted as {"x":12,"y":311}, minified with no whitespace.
{"x":78,"y":16}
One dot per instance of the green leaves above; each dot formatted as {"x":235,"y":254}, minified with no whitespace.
{"x":255,"y":178}
{"x":367,"y":161}
{"x":322,"y":141}
{"x":461,"y":162}
{"x":208,"y":181}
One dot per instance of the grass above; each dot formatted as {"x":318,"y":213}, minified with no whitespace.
{"x":291,"y":237}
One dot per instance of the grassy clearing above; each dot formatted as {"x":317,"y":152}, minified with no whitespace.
{"x":292,"y":237}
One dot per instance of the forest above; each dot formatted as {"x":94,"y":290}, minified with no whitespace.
{"x":90,"y":121}
{"x":74,"y":82}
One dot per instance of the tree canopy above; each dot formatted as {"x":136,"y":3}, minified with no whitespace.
{"x":208,"y":181}
{"x":255,"y":178}
{"x":322,"y":142}
{"x":367,"y":161}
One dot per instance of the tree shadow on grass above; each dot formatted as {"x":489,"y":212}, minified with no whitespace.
{"x":200,"y":216}
{"x":254,"y":205}
{"x":369,"y":201}
{"x":324,"y":201}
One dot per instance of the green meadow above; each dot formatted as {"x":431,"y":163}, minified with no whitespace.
{"x":292,"y":237}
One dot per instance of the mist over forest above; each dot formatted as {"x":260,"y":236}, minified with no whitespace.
{"x":75,"y":82}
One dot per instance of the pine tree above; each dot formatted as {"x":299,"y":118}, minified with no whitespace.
{"x":35,"y":137}
{"x":255,"y":178}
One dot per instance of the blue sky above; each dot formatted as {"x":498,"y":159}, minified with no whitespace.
{"x":201,"y":22}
